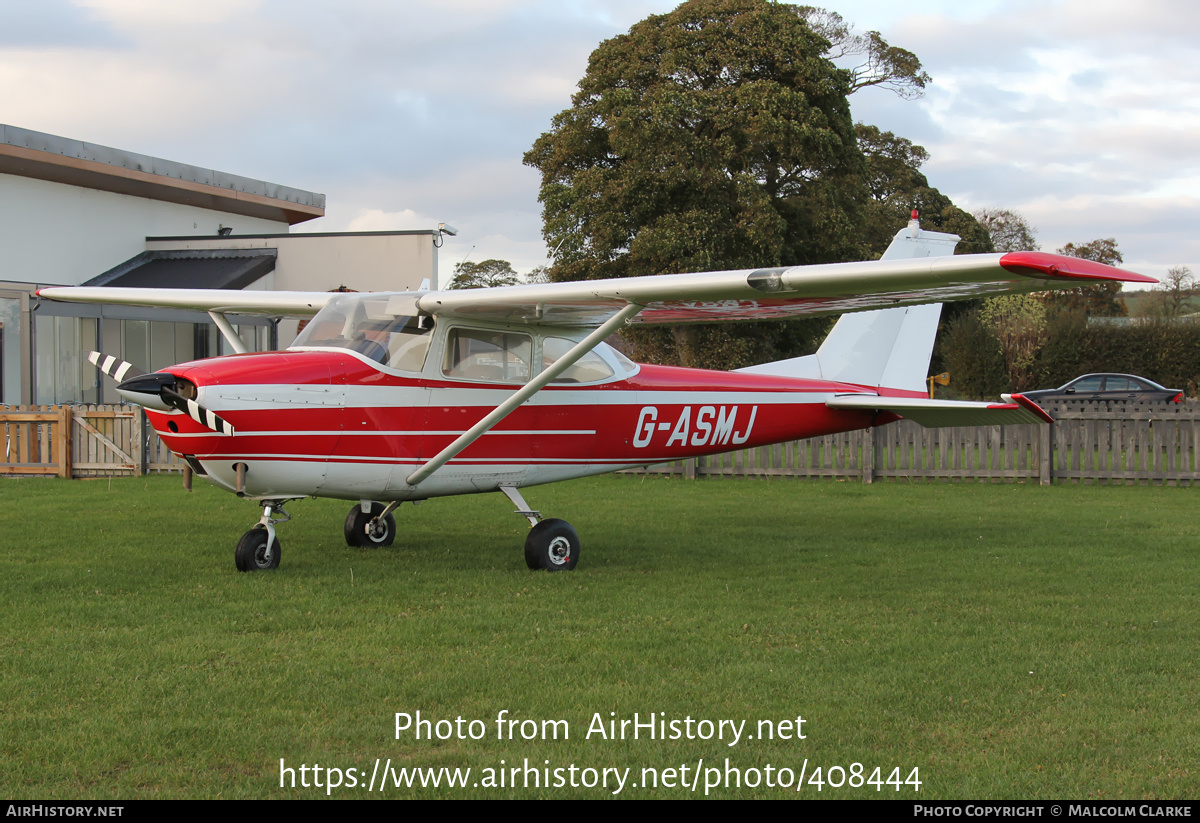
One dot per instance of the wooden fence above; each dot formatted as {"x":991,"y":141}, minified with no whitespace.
{"x":1088,"y":442}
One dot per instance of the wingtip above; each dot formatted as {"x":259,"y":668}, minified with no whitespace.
{"x":1060,"y":266}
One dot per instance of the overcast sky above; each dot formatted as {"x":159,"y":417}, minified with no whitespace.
{"x":1079,"y":114}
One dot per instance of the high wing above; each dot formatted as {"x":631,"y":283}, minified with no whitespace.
{"x":794,"y":291}
{"x":234,"y":301}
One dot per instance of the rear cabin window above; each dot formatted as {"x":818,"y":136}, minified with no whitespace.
{"x":588,"y":369}
{"x":501,"y":357}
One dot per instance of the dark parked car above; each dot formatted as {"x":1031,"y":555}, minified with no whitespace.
{"x":1107,"y":387}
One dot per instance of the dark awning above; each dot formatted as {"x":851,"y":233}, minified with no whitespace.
{"x":190,"y":269}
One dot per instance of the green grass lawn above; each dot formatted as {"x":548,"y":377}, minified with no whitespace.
{"x":1007,"y":641}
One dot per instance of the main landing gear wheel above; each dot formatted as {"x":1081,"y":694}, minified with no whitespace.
{"x":370,"y":530}
{"x":552,"y":545}
{"x":252,"y":554}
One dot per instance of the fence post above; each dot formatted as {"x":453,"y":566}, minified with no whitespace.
{"x":1046,"y":453}
{"x":689,"y":469}
{"x":66,"y":422}
{"x":868,"y":454}
{"x":137,"y":448}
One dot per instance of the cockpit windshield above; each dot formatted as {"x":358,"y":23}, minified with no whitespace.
{"x":381,"y":326}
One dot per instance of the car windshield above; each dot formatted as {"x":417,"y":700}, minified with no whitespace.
{"x":379,"y":326}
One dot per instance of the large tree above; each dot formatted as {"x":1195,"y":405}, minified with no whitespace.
{"x":716,"y":136}
{"x":719,"y":136}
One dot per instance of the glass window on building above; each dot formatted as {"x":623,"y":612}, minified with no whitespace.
{"x":10,"y":351}
{"x":63,"y":373}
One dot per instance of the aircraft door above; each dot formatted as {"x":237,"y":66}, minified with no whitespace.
{"x":333,"y":419}
{"x":406,"y":421}
{"x":381,"y":422}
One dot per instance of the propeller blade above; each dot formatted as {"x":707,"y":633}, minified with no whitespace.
{"x":206,"y":418}
{"x":115,"y":368}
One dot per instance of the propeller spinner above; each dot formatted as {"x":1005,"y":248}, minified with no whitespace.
{"x":157,"y":390}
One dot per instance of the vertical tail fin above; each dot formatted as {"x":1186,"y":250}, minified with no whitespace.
{"x":881,"y":348}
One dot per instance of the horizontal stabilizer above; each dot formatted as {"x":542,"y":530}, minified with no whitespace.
{"x":1015,"y":410}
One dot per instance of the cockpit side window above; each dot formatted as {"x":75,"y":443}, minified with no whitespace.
{"x":492,"y":356}
{"x":407,"y":342}
{"x":364,"y":324}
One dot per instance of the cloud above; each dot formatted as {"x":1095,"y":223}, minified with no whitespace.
{"x":379,"y":220}
{"x":55,"y":24}
{"x":1080,"y":115}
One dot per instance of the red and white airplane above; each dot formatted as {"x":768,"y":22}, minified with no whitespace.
{"x":388,"y":397}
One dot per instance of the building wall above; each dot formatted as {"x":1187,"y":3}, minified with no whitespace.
{"x":363,"y":261}
{"x":57,"y":234}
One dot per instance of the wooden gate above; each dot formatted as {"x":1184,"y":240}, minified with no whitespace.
{"x":73,"y":441}
{"x":109,"y":441}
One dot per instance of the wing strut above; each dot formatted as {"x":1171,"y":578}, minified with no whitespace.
{"x":228,"y":332}
{"x":527,"y":391}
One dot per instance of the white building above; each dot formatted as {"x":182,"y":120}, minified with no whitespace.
{"x":74,"y":213}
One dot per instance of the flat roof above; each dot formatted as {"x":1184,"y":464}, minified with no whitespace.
{"x":205,"y":269}
{"x":60,"y":160}
{"x":292,"y":236}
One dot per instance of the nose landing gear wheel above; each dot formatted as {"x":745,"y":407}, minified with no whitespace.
{"x":552,"y":545}
{"x":370,"y":530}
{"x":252,"y":555}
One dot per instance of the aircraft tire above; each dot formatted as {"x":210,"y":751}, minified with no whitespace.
{"x":250,"y":555}
{"x":356,"y":528}
{"x":552,"y":545}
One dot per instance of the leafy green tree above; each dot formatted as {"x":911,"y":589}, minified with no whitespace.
{"x":716,"y":136}
{"x":483,"y":275}
{"x":893,"y":163}
{"x":719,"y":136}
{"x":974,"y":358}
{"x":1018,"y":322}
